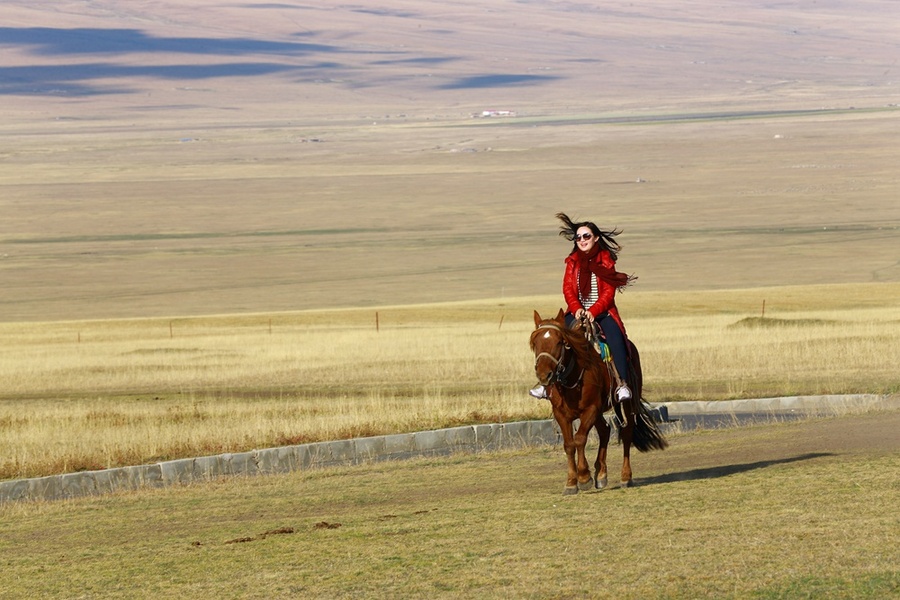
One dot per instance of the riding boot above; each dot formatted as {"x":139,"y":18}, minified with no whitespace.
{"x":623,"y":392}
{"x":539,"y":391}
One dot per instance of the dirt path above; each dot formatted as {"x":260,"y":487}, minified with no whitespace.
{"x":747,"y":448}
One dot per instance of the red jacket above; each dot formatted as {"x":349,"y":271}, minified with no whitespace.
{"x":606,"y":293}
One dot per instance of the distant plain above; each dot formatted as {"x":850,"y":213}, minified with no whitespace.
{"x":160,"y":159}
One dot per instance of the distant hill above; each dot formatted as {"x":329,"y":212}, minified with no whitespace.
{"x":428,"y":57}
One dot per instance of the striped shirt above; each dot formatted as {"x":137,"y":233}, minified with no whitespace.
{"x":592,"y":297}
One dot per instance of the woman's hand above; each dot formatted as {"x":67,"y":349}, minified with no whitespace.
{"x":584,"y":315}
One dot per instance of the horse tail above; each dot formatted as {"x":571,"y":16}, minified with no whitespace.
{"x":647,"y":435}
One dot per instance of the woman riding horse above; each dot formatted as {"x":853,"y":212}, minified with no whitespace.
{"x":580,"y":389}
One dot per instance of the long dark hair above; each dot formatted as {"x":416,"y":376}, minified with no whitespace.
{"x":606,"y":239}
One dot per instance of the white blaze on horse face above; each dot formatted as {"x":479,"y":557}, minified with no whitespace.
{"x":546,"y":335}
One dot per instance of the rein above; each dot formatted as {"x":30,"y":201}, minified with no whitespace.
{"x":563,"y":368}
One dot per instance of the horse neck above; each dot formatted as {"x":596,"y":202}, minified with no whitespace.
{"x":585,"y":355}
{"x":577,"y":343}
{"x":581,"y":348}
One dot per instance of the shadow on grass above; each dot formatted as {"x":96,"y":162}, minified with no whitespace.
{"x":725,"y":470}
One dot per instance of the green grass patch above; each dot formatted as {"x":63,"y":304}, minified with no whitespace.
{"x":752,"y":512}
{"x":875,"y":586}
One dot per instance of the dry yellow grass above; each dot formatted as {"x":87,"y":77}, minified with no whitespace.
{"x":98,"y":394}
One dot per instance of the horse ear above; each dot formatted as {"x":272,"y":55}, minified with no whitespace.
{"x":537,"y":319}
{"x":560,"y":315}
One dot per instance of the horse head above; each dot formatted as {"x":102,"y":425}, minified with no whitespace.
{"x":549,"y":343}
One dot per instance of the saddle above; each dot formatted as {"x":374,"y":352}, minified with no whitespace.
{"x":597,"y":340}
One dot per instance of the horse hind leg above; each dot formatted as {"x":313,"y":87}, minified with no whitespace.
{"x":626,"y":435}
{"x":601,"y":476}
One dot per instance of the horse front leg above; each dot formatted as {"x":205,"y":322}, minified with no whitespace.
{"x":583,"y":474}
{"x":565,"y":427}
{"x":601,"y":477}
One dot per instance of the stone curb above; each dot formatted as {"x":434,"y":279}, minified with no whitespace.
{"x":284,"y":459}
{"x":802,"y":404}
{"x":473,"y":438}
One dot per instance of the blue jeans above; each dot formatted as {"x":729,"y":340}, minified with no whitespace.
{"x":615,"y":339}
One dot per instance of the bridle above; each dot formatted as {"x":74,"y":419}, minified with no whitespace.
{"x":564,"y":367}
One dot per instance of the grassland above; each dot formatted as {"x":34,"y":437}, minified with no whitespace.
{"x":100,"y":394}
{"x":798,"y":510}
{"x":205,"y":204}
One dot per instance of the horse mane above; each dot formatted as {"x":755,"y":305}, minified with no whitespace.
{"x":587,"y":356}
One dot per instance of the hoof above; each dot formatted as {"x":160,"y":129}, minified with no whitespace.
{"x":587,"y":485}
{"x":570,"y":491}
{"x":628,"y":484}
{"x":602,"y":483}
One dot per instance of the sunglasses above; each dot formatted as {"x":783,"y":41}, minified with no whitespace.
{"x":583,"y":236}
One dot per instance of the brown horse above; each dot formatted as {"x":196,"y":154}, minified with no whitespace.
{"x":580,"y":386}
